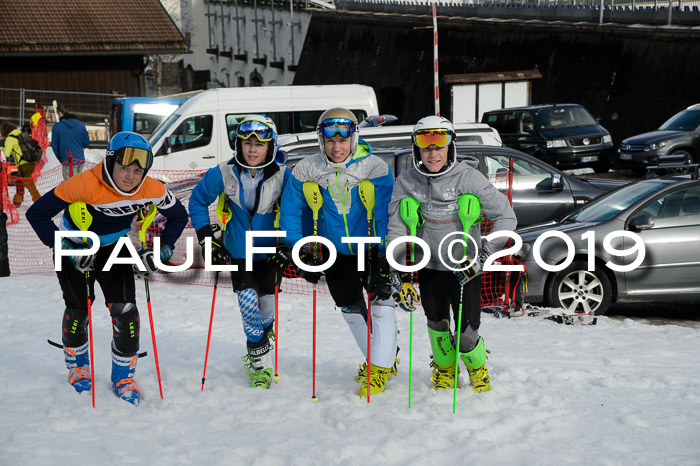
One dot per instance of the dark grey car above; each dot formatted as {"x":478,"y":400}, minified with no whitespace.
{"x":563,"y":135}
{"x":540,"y":191}
{"x":665,"y":215}
{"x":678,"y":136}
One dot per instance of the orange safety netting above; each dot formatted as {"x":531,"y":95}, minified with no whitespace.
{"x":27,"y":255}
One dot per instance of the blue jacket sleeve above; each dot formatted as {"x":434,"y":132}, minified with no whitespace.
{"x":55,"y":141}
{"x":291,"y":209}
{"x":40,"y":216}
{"x":383,"y":187}
{"x":85,"y":137}
{"x":206,"y":192}
{"x":176,"y":221}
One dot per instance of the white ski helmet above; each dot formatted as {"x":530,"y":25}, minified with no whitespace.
{"x":427,"y":125}
{"x":334,"y":121}
{"x":264,"y":129}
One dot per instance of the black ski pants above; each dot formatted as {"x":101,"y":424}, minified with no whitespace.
{"x":118,"y":288}
{"x":439,"y":291}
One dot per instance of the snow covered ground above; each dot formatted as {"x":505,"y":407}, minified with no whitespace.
{"x":621,"y":392}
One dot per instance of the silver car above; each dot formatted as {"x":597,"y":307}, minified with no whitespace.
{"x":660,"y":216}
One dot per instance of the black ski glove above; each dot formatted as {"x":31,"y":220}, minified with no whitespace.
{"x":309,"y":258}
{"x":278,"y":262}
{"x":146,"y":255}
{"x":79,"y":263}
{"x":219,"y":254}
{"x":380,"y":281}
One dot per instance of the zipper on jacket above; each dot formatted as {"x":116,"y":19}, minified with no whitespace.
{"x":342,"y":203}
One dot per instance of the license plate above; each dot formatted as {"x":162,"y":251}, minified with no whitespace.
{"x":590,"y":158}
{"x":624,"y":156}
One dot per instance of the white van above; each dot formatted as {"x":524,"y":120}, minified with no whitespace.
{"x":201,"y":133}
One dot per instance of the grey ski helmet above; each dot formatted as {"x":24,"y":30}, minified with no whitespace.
{"x":341,"y":121}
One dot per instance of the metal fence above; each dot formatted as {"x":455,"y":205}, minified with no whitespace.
{"x":653,"y":12}
{"x":18,"y":105}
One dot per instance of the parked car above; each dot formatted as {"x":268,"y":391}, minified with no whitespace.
{"x":563,"y":135}
{"x":678,"y":136}
{"x":663,"y":212}
{"x":140,"y":114}
{"x":541,"y":192}
{"x":378,"y":120}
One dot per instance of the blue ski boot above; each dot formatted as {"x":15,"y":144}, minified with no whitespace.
{"x":123,"y":383}
{"x":78,"y":364}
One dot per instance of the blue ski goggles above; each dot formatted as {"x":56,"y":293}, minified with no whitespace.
{"x":128,"y":155}
{"x":342,"y":126}
{"x":255,"y":128}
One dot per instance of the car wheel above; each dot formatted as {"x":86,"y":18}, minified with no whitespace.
{"x":580,"y":291}
{"x":687,"y":158}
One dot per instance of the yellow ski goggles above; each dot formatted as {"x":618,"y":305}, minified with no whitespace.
{"x":255,"y":128}
{"x":128,"y":155}
{"x":432,"y":137}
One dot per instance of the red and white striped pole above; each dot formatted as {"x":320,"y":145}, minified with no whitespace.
{"x":436,"y":80}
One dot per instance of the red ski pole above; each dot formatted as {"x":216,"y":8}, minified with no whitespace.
{"x":312,"y":194}
{"x":313,"y":392}
{"x":153,"y":335}
{"x":369,"y":344}
{"x":82,"y":219}
{"x":277,"y":335}
{"x":92,"y":355}
{"x":224,"y":214}
{"x":146,"y":219}
{"x":211,"y":319}
{"x":70,"y":162}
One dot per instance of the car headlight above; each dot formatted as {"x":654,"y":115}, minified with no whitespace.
{"x":556,"y":143}
{"x":607,"y":138}
{"x":655,"y":145}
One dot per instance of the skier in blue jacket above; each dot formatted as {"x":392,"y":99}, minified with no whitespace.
{"x":252,"y":182}
{"x":344,"y":163}
{"x":69,"y":134}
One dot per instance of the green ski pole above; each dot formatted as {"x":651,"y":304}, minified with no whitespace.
{"x":469,"y":214}
{"x":408,"y":209}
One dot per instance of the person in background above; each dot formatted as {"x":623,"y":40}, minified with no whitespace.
{"x":69,"y":134}
{"x":25,"y":169}
{"x":114,"y":191}
{"x":252,"y":182}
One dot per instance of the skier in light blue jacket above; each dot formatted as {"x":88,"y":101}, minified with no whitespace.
{"x":344,"y":167}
